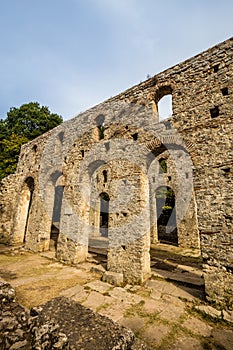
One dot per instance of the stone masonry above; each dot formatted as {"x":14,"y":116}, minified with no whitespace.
{"x":101,"y":174}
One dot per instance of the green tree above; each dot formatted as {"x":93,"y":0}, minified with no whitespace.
{"x":31,"y":120}
{"x":10,"y":149}
{"x":21,"y":125}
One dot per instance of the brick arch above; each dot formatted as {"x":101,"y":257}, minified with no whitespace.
{"x":163,"y":90}
{"x":191,"y":150}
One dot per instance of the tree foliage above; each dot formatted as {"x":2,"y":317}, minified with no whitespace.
{"x":165,"y":203}
{"x":21,"y":125}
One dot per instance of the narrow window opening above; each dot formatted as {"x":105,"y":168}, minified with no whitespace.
{"x":187,"y":175}
{"x":104,"y":214}
{"x":82,"y":152}
{"x":123,"y":247}
{"x":107,"y":146}
{"x":224,"y":91}
{"x":214,"y":112}
{"x":169,"y":178}
{"x":56,"y":216}
{"x":216,"y":68}
{"x":101,"y":129}
{"x":162,"y":166}
{"x":135,"y":136}
{"x":105,"y":175}
{"x":34,"y":148}
{"x":61,"y":136}
{"x":58,"y":195}
{"x":124,"y":214}
{"x":100,"y":124}
{"x":127,"y":127}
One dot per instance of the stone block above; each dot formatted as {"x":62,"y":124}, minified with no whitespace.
{"x":228,"y":316}
{"x":210,"y":311}
{"x":113,"y":278}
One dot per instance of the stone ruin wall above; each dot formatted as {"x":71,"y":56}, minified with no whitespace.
{"x":74,"y":156}
{"x":8,"y":192}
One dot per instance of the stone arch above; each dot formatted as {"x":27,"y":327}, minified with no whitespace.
{"x":179,"y":176}
{"x":23,"y":214}
{"x":99,"y":203}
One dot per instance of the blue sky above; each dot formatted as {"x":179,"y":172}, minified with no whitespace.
{"x":72,"y":54}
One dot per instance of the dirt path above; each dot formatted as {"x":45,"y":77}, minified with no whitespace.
{"x":165,"y":315}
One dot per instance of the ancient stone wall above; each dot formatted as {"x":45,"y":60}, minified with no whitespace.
{"x":115,"y":150}
{"x":8,"y":192}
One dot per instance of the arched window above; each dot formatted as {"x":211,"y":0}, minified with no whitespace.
{"x":165,"y":107}
{"x":58,"y":195}
{"x":163,"y":101}
{"x":104,"y":214}
{"x":100,"y":124}
{"x":24,"y":209}
{"x":166,"y":215}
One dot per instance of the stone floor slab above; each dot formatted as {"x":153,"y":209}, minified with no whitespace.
{"x":115,"y":311}
{"x":186,"y":343}
{"x":154,"y":307}
{"x":155,"y":333}
{"x":135,"y":323}
{"x":77,"y":293}
{"x":98,"y":286}
{"x":122,"y":295}
{"x":172,"y":313}
{"x":196,"y":326}
{"x":95,"y":301}
{"x":224,"y":337}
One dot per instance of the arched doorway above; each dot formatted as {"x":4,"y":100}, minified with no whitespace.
{"x":57,"y":189}
{"x":166,"y":215}
{"x":24,"y":210}
{"x":104,"y":214}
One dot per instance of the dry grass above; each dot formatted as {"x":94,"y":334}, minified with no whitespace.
{"x":37,"y":279}
{"x":37,"y":293}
